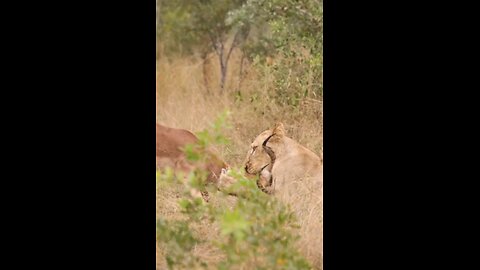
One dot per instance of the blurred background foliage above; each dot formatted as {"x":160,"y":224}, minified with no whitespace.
{"x":284,"y":35}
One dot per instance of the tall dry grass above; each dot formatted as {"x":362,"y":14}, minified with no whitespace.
{"x":185,"y":101}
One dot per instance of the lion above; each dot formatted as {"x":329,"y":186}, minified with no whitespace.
{"x":285,"y":159}
{"x":294,"y":174}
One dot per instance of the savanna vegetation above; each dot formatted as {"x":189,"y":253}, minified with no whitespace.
{"x":260,"y":60}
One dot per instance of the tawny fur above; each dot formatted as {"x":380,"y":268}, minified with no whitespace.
{"x":296,"y":178}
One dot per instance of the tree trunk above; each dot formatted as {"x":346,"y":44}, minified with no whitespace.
{"x":204,"y":69}
{"x":223,"y":71}
{"x":240,"y":76}
{"x":223,"y":68}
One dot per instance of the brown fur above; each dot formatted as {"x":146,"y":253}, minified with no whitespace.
{"x":169,"y":144}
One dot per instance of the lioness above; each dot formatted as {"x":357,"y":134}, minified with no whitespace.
{"x":288,"y":160}
{"x":297,"y":179}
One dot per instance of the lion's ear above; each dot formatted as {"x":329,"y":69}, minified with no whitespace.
{"x":279,"y":129}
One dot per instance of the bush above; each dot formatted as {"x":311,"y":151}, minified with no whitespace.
{"x":294,"y":37}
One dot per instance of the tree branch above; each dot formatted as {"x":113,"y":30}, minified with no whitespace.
{"x":234,"y":44}
{"x":214,"y":43}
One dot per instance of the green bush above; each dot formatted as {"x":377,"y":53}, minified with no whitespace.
{"x":292,"y":33}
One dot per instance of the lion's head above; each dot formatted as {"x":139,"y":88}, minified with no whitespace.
{"x":261,"y":154}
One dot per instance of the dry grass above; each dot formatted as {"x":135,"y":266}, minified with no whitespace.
{"x":183,"y":102}
{"x":307,"y":202}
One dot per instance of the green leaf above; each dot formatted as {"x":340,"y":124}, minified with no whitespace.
{"x":184,"y":203}
{"x":190,"y":153}
{"x":234,"y":223}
